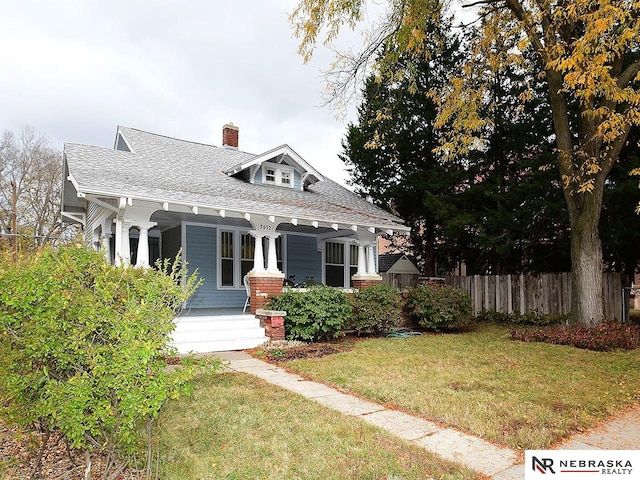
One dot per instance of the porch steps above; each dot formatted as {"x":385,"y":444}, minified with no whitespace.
{"x":205,"y":333}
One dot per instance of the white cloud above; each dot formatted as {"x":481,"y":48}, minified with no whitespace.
{"x":75,"y":70}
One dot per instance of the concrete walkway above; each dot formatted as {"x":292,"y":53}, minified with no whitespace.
{"x":475,"y":453}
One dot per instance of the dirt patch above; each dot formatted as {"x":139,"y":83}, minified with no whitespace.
{"x":17,"y":451}
{"x":315,"y":350}
{"x":285,"y":353}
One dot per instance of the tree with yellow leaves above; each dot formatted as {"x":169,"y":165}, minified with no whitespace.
{"x":587,"y":51}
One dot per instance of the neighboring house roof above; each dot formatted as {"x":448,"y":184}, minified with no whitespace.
{"x":396,"y":263}
{"x":165,"y":169}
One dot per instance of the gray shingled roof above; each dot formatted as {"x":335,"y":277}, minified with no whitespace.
{"x":166,"y":169}
{"x":388,"y":260}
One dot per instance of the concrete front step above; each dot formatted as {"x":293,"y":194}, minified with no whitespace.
{"x":227,"y":322}
{"x":201,"y":334}
{"x":220,"y":346}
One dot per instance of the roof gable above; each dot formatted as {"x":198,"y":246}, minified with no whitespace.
{"x":282,"y":155}
{"x":396,"y":263}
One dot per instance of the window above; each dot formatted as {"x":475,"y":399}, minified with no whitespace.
{"x":247,"y":253}
{"x":334,"y":264}
{"x":341,"y":263}
{"x":273,"y":174}
{"x":226,"y":259}
{"x":270,"y":175}
{"x":353,"y":262}
{"x":236,"y":251}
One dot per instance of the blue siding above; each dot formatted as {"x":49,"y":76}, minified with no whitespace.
{"x":202,"y":254}
{"x":121,"y":144}
{"x":303,"y":258}
{"x":257,"y":180}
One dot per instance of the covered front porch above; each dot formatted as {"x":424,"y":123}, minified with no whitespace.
{"x":225,"y":250}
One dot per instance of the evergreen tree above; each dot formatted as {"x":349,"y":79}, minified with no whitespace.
{"x":389,"y":152}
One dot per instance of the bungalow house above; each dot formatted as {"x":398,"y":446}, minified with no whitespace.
{"x":232,"y":214}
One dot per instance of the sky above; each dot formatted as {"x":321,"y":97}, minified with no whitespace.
{"x":74,"y":70}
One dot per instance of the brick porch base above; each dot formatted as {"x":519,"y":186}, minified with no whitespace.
{"x":263,"y":285}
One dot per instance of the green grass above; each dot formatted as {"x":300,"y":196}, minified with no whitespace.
{"x":239,"y":427}
{"x":524,"y":395}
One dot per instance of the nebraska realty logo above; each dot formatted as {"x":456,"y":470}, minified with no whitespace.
{"x":582,"y":464}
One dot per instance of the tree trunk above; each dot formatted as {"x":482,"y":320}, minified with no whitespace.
{"x":586,"y":259}
{"x":14,"y":221}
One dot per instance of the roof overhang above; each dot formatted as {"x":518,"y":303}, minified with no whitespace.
{"x":374,"y":227}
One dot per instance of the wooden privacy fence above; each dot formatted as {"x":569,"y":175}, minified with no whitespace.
{"x":544,"y":293}
{"x":401,"y":281}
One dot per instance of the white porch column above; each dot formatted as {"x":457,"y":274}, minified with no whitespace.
{"x":105,"y":244}
{"x":371,"y":261}
{"x":272,"y":260}
{"x":123,"y":250}
{"x":258,"y":256}
{"x":142,"y":258}
{"x":362,"y":260}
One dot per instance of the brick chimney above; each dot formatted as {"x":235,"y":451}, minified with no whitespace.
{"x":230,"y":135}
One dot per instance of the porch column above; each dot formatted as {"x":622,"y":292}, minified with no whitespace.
{"x":123,"y":249}
{"x":95,"y":240}
{"x":272,"y":260}
{"x":371,"y":261}
{"x":105,"y":244}
{"x":143,"y":245}
{"x":362,"y":260}
{"x":258,"y":256}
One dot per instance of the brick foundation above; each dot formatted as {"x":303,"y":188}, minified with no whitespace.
{"x":263,"y":286}
{"x":273,"y":323}
{"x":364,"y":281}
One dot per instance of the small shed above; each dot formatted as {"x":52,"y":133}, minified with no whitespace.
{"x":398,"y":270}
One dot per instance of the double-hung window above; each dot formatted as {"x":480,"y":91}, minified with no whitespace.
{"x":334,"y":264}
{"x":227,"y":256}
{"x":247,"y":253}
{"x":341,"y":263}
{"x":353,"y":262}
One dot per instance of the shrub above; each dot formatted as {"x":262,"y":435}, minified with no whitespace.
{"x":320,"y":312}
{"x":376,"y":309}
{"x":83,"y":346}
{"x":439,"y":307}
{"x":517,"y":318}
{"x":605,"y":337}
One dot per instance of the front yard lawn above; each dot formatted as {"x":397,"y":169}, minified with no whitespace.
{"x":524,"y":395}
{"x":239,"y":427}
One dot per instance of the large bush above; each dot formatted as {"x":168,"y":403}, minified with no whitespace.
{"x":439,"y":307}
{"x":83,"y":346}
{"x":320,"y":312}
{"x":376,"y":309}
